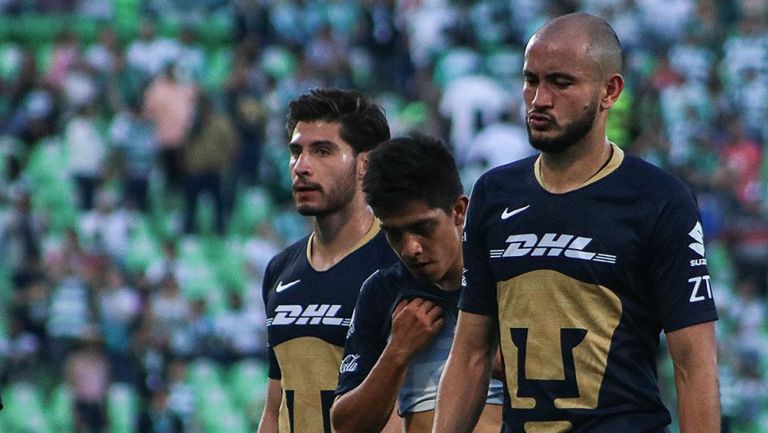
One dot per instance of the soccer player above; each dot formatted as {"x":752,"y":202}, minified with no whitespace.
{"x":406,"y":314}
{"x":310,"y":288}
{"x":576,"y":260}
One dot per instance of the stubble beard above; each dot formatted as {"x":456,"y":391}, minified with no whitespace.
{"x":572,"y":133}
{"x":334,"y":197}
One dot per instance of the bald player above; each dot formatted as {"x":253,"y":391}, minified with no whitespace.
{"x":575,"y":261}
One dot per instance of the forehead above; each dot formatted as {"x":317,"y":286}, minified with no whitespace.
{"x":558,"y":53}
{"x":306,"y":133}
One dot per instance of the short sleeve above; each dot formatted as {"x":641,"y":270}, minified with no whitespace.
{"x":478,"y":293}
{"x":678,"y":266}
{"x":367,"y":336}
{"x":274,"y":367}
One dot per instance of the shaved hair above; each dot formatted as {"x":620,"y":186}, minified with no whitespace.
{"x":603,"y":45}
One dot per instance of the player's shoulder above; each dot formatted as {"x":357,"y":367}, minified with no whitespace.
{"x":289,"y":254}
{"x":641,"y":175}
{"x":380,"y":291}
{"x":502,"y":177}
{"x":521,"y":167}
{"x":385,"y":279}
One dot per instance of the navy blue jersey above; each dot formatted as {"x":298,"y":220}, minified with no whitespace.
{"x":308,"y":315}
{"x":582,"y":284}
{"x":370,"y":331}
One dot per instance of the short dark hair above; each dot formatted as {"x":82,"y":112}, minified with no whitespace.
{"x":407,"y":169}
{"x":363,"y":123}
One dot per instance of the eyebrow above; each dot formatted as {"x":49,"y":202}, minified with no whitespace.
{"x":551,"y":76}
{"x":315,"y":143}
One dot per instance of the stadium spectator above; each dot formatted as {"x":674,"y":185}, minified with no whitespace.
{"x":132,"y":137}
{"x":170,"y":105}
{"x":88,"y":378}
{"x":207,"y":154}
{"x":87,"y":148}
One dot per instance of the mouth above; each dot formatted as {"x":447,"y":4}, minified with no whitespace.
{"x":539,"y":120}
{"x":299,"y":188}
{"x":418,"y":266}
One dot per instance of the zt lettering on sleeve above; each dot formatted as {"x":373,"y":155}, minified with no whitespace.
{"x":702,"y":288}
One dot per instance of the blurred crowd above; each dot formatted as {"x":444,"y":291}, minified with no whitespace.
{"x":144,"y":184}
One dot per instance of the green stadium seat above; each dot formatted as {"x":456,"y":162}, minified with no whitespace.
{"x":278,"y":62}
{"x":10,"y":60}
{"x":144,"y":248}
{"x":24,"y":409}
{"x":247,"y":383}
{"x":122,"y":408}
{"x":216,"y":29}
{"x":204,"y":375}
{"x":218,"y":68}
{"x":34,"y":29}
{"x":215,"y":410}
{"x":60,"y":410}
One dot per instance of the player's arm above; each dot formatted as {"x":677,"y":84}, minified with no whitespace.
{"x":464,"y":384}
{"x":394,"y":424}
{"x":693,"y":351}
{"x":498,"y":366}
{"x":269,"y":415}
{"x":368,"y":407}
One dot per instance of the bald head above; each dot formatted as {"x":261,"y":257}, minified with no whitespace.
{"x":600,"y":41}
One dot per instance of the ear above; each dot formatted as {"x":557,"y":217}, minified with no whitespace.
{"x":362,"y":164}
{"x":612,"y":90}
{"x":460,"y":210}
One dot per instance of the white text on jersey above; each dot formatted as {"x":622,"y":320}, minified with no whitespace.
{"x":312,"y":314}
{"x":550,"y":245}
{"x":700,"y":292}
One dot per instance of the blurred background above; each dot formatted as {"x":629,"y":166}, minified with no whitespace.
{"x":145,"y":177}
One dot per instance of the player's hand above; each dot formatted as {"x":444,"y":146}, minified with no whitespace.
{"x":415,"y":323}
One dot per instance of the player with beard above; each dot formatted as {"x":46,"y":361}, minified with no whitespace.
{"x":311,"y":287}
{"x":575,"y":261}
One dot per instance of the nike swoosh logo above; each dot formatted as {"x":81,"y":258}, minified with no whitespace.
{"x":280,"y":286}
{"x":508,"y":213}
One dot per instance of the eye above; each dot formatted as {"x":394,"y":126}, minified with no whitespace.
{"x":294,"y":150}
{"x":424,"y":229}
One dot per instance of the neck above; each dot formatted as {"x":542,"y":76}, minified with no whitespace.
{"x":336,"y":234}
{"x":572,"y":168}
{"x":452,"y":280}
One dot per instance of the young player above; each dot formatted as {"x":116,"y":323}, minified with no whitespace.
{"x":310,"y":288}
{"x":405,"y":316}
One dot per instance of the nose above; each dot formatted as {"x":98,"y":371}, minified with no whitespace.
{"x":300,"y":165}
{"x":411,"y":246}
{"x":541,"y":97}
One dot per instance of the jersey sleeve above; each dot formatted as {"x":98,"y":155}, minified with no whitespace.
{"x":679,"y":274}
{"x":478,"y":293}
{"x":274,"y":367}
{"x":366,"y":337}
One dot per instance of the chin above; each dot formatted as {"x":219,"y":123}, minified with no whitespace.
{"x":307,"y":210}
